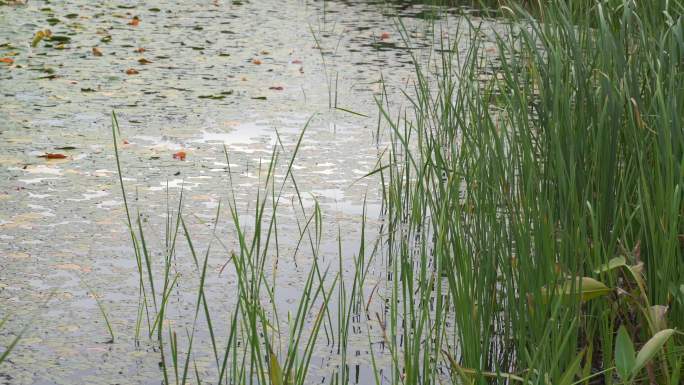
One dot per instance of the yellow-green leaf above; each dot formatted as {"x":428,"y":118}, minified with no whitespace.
{"x":275,"y":372}
{"x":584,"y":287}
{"x":612,"y":264}
{"x":37,"y":38}
{"x":651,"y":348}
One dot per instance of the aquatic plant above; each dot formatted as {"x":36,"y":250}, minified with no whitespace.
{"x":532,"y":225}
{"x":546,"y":200}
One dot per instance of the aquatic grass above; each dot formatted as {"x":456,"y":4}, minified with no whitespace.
{"x":7,"y":350}
{"x":250,"y":354}
{"x":101,"y":307}
{"x":516,"y":187}
{"x":531,"y":228}
{"x":13,"y":343}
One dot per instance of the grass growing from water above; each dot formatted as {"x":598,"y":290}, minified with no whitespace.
{"x":541,"y":207}
{"x":533,"y":221}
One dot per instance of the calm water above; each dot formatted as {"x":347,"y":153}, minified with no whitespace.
{"x":62,"y":221}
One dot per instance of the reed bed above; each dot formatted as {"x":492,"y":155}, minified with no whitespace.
{"x":532,"y":225}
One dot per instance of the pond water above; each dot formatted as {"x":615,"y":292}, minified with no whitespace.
{"x":191,"y":76}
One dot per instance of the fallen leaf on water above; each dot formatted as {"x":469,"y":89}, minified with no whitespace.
{"x":140,"y":50}
{"x":134,"y":21}
{"x":277,"y":88}
{"x":265,"y":52}
{"x":18,"y":255}
{"x":126,"y":142}
{"x":256,"y":61}
{"x":97,"y":52}
{"x":132,"y":71}
{"x":144,"y":61}
{"x":384,"y":36}
{"x":50,"y":155}
{"x":221,"y":95}
{"x":180,"y":155}
{"x":7,"y":60}
{"x":61,"y":39}
{"x":73,"y":266}
{"x":296,"y":61}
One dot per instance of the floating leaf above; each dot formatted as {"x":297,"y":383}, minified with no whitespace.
{"x":132,"y":71}
{"x":59,"y":38}
{"x":7,"y":60}
{"x":134,"y":21}
{"x":256,"y":61}
{"x":180,"y":155}
{"x":52,"y":156}
{"x":384,"y":36}
{"x":651,"y":348}
{"x":296,"y":61}
{"x":221,"y":95}
{"x":97,"y":52}
{"x":624,"y":353}
{"x":259,"y":97}
{"x":276,"y":88}
{"x":144,"y":61}
{"x":140,"y":50}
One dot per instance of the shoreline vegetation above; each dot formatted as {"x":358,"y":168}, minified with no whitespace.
{"x":532,"y":227}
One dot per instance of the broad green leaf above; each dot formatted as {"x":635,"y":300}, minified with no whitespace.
{"x":612,"y":264}
{"x":275,"y":372}
{"x":651,"y":348}
{"x":624,"y":354}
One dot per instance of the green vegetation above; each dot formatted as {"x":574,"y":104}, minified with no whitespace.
{"x":533,"y":227}
{"x":553,"y":195}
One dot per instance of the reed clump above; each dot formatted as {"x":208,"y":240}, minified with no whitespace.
{"x":541,"y":206}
